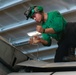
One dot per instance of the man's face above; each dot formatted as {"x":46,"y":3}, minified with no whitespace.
{"x":37,"y":17}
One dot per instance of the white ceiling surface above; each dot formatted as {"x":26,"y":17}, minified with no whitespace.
{"x":14,"y":26}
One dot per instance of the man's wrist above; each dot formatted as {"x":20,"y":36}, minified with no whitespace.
{"x":43,"y":31}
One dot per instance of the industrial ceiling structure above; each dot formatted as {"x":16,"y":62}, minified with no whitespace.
{"x":14,"y":26}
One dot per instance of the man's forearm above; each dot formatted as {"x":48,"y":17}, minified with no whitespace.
{"x":49,"y":30}
{"x":43,"y":41}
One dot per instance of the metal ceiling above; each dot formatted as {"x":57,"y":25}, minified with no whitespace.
{"x":14,"y":26}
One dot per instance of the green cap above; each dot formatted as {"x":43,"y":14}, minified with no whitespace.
{"x":30,"y":12}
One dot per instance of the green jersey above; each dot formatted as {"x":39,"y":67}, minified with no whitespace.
{"x":56,"y":21}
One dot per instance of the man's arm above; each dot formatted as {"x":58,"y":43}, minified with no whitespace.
{"x":48,"y":30}
{"x":36,"y":39}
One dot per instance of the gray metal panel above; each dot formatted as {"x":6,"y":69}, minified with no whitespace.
{"x":55,"y":73}
{"x":30,"y":73}
{"x":8,"y":53}
{"x":41,"y":64}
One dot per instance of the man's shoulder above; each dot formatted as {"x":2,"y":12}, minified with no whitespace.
{"x":53,"y":12}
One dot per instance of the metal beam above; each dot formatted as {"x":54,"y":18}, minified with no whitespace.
{"x":16,"y":25}
{"x":40,"y":49}
{"x":12,"y":3}
{"x":50,"y":57}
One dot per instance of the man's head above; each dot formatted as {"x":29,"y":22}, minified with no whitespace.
{"x":33,"y":11}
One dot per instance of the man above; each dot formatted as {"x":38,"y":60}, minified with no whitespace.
{"x":53,"y":25}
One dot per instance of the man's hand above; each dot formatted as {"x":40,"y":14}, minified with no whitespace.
{"x":48,"y":30}
{"x":39,"y":29}
{"x":34,"y":40}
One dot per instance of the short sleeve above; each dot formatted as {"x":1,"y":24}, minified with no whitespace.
{"x":47,"y":38}
{"x":58,"y":21}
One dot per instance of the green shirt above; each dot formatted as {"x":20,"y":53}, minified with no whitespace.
{"x":56,"y":21}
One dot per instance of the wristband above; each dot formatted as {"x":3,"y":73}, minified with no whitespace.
{"x":43,"y":30}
